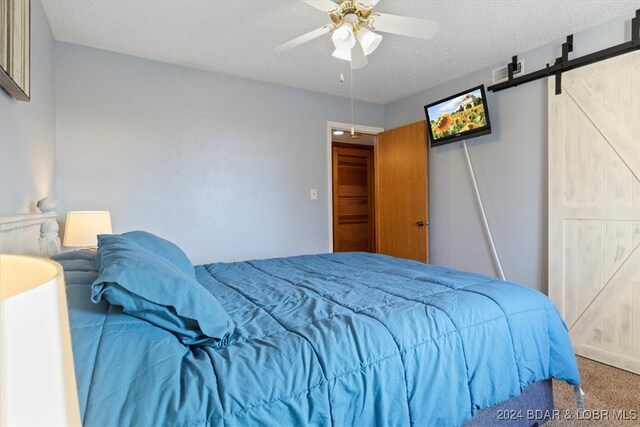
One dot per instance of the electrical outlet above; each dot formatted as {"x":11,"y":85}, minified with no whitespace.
{"x":314,"y":194}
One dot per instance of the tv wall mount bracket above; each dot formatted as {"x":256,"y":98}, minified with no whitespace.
{"x":563,"y":63}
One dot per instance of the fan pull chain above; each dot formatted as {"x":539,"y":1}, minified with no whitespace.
{"x":353,"y":130}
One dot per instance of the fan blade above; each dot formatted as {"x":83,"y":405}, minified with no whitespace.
{"x":303,"y":38}
{"x":323,"y":5}
{"x":404,"y":25}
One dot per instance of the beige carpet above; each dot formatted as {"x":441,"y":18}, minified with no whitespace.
{"x":607,"y":389}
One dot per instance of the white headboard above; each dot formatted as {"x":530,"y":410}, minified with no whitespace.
{"x":31,"y":234}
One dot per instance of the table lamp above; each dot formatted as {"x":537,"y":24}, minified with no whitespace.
{"x":37,"y":377}
{"x":83,"y":227}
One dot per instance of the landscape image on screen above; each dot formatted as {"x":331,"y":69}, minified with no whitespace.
{"x":461,"y":114}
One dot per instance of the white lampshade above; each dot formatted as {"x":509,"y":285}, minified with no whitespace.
{"x":368,"y":39}
{"x":358,"y":58}
{"x":355,"y":55}
{"x":37,"y":377}
{"x":343,"y":37}
{"x":344,"y":54}
{"x":354,"y":47}
{"x":83,"y":227}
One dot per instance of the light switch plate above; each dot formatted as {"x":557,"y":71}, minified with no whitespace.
{"x":314,"y":194}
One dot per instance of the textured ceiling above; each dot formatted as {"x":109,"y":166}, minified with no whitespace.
{"x":236,"y":37}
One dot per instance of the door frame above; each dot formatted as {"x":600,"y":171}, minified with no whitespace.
{"x":372,"y":130}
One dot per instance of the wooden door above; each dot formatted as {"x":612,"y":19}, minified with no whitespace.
{"x":402,"y":192}
{"x":594,"y":208}
{"x":353,"y":198}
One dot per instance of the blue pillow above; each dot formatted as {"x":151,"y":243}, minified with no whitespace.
{"x":163,"y":248}
{"x":150,"y":288}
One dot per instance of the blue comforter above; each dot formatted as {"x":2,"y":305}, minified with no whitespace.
{"x":338,"y":339}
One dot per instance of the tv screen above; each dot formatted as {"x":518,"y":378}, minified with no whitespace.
{"x":460,"y":116}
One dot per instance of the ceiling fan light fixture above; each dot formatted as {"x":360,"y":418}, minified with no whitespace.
{"x":354,"y":21}
{"x":343,"y":37}
{"x":368,"y":39}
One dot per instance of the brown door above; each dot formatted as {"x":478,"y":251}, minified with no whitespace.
{"x":353,"y":219}
{"x":402,"y":192}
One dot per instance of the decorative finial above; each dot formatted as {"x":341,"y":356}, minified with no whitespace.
{"x":48,"y":204}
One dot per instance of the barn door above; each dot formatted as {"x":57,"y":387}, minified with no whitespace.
{"x":594,"y":208}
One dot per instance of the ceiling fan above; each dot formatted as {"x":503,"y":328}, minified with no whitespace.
{"x":353,"y":23}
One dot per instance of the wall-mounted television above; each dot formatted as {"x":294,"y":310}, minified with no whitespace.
{"x":461,"y":116}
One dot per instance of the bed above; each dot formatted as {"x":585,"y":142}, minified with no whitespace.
{"x":335,"y":339}
{"x":331,"y":339}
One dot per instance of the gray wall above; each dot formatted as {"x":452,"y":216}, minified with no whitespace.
{"x":220,"y":165}
{"x":27,"y":129}
{"x":510,"y":165}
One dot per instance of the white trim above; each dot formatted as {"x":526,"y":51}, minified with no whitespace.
{"x":487,"y":229}
{"x":13,"y":222}
{"x":371,"y":130}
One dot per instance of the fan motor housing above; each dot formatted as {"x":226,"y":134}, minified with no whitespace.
{"x":350,"y":7}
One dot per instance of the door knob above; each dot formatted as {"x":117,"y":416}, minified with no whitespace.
{"x":420,"y":223}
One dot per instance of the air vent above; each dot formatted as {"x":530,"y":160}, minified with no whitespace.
{"x":501,"y":74}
